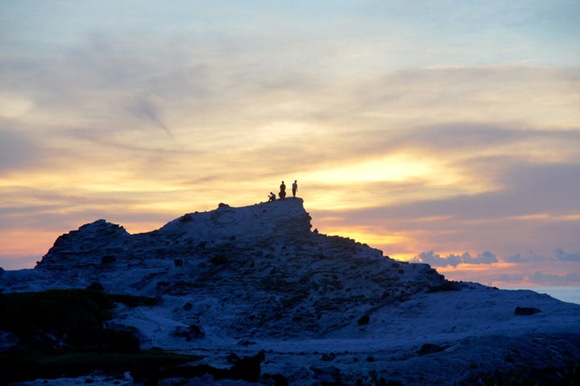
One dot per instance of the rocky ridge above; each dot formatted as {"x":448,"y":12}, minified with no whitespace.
{"x":256,"y":280}
{"x":247,"y":270}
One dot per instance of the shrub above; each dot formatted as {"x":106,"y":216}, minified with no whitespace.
{"x":365,"y":319}
{"x":38,"y":318}
{"x":54,"y":310}
{"x":446,"y":286}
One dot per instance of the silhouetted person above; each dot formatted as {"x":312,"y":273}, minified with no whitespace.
{"x":294,"y":188}
{"x":271,"y":197}
{"x":282,"y":191}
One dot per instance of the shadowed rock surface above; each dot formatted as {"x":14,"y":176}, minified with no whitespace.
{"x":234,"y":282}
{"x":262,"y":260}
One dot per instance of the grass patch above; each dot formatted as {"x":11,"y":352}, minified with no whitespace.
{"x":60,"y":311}
{"x":133,"y":301}
{"x":62,"y":334}
{"x":53,"y":312}
{"x":71,"y":319}
{"x":28,"y":364}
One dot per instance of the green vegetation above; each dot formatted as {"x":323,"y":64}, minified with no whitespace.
{"x":531,"y":377}
{"x":55,"y":311}
{"x":60,"y":311}
{"x":27,"y":364}
{"x":62,"y":333}
{"x":132,"y":300}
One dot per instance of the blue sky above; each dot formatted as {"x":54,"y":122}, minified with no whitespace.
{"x":429,"y":129}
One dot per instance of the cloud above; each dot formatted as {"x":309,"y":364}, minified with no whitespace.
{"x":532,"y":257}
{"x":560,"y":254}
{"x":65,"y":209}
{"x":506,"y":278}
{"x":144,"y":108}
{"x":528,"y":257}
{"x":436,"y":260}
{"x":525,"y":203}
{"x":483,"y":258}
{"x":17,"y":151}
{"x":539,"y":277}
{"x":482,"y":168}
{"x":215,"y":86}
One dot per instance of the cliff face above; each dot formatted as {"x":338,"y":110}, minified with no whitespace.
{"x":256,"y":270}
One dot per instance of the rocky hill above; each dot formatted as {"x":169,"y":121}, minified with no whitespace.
{"x":323,"y":308}
{"x":251,"y":271}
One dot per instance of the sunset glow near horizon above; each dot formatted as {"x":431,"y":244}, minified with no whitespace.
{"x":437,"y":131}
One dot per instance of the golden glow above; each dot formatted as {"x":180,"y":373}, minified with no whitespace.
{"x":368,"y":236}
{"x":337,"y":199}
{"x":12,"y":106}
{"x":396,"y":245}
{"x":389,"y":179}
{"x":23,"y":242}
{"x":547,"y":217}
{"x":389,"y":168}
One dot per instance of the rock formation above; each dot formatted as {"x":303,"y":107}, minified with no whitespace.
{"x":300,"y":307}
{"x":254,"y":271}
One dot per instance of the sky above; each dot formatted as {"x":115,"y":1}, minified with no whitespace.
{"x":444,"y":132}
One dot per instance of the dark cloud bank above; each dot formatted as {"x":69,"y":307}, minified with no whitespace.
{"x":529,"y":259}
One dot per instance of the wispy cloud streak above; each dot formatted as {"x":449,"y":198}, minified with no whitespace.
{"x":144,"y":109}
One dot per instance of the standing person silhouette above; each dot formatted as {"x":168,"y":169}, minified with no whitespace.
{"x":294,"y":188}
{"x":282,"y":194}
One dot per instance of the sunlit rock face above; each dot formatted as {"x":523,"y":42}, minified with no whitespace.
{"x":256,"y":271}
